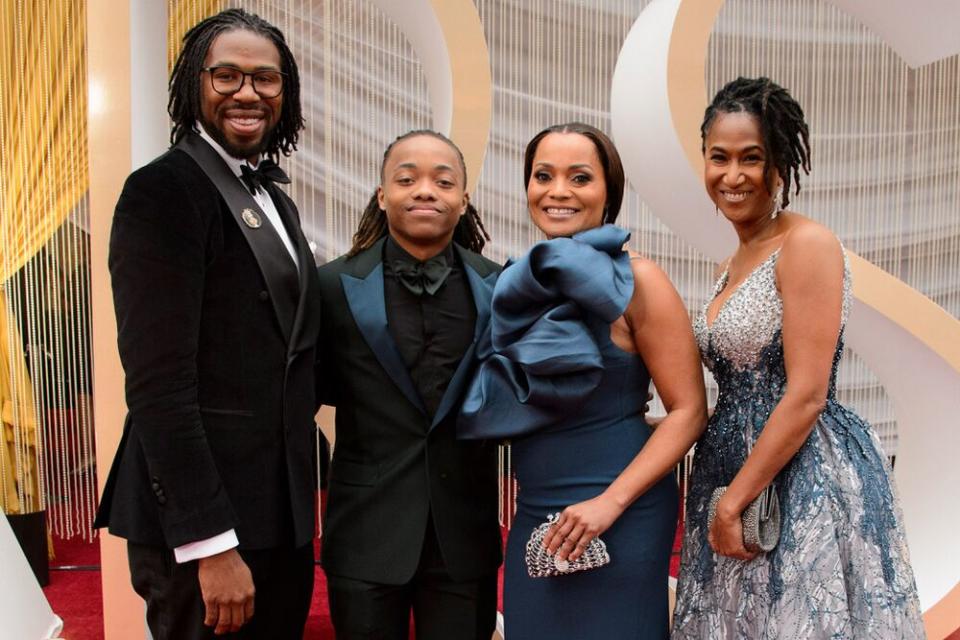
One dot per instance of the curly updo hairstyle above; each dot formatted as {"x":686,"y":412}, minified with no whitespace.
{"x":782,"y":126}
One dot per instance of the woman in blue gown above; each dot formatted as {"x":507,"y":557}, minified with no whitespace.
{"x":773,"y":334}
{"x":579,"y":326}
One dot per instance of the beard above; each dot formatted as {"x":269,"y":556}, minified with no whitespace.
{"x":241,"y":152}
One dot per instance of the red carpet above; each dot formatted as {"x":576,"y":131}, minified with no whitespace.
{"x":318,"y":622}
{"x":76,"y":595}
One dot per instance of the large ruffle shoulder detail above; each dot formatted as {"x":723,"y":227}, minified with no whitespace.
{"x":542,"y":361}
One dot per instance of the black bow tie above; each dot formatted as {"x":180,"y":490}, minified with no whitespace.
{"x":266,"y":171}
{"x":420,"y":277}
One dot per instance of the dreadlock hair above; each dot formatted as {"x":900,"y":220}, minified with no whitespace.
{"x":184,"y":105}
{"x":469,"y":232}
{"x":609,"y":160}
{"x":782,"y":126}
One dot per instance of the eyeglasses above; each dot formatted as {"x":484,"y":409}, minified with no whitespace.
{"x":227,"y":81}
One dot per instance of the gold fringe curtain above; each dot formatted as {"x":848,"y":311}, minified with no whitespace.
{"x":43,"y":153}
{"x":43,"y":142}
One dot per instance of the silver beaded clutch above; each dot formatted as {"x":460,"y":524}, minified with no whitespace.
{"x":541,"y":564}
{"x":761,"y":519}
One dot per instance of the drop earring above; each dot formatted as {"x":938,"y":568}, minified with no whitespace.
{"x":777,"y":203}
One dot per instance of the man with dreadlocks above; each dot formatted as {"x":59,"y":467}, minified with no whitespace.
{"x":217,"y":311}
{"x":411,"y":523}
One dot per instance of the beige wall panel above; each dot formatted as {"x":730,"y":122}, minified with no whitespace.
{"x":108,"y":24}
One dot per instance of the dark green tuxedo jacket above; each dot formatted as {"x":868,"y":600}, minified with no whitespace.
{"x":393,"y":464}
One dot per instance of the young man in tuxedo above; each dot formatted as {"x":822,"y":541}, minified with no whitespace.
{"x":412,"y":522}
{"x":215,"y":291}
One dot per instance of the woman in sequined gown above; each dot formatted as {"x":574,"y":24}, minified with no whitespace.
{"x":578,"y":329}
{"x":772,"y":335}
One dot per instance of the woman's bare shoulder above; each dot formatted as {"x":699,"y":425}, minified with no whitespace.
{"x":808,"y":239}
{"x":644,"y":267}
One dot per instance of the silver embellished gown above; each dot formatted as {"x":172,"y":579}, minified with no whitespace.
{"x":841,"y":569}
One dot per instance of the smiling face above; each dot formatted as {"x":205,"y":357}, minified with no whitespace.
{"x":734,"y":159}
{"x":243,"y":122}
{"x":567,"y":190}
{"x":422,"y":191}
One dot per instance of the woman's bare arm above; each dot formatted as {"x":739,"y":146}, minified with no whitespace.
{"x":661,"y":333}
{"x":810,"y":274}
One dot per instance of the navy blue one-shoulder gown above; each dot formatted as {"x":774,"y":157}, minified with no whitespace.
{"x":572,"y":402}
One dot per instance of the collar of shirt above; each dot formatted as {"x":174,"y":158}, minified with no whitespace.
{"x":260,"y":195}
{"x":393,"y":251}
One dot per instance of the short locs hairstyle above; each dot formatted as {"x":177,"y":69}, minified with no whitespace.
{"x":469,"y":232}
{"x":784,"y":130}
{"x":184,"y":104}
{"x":609,"y":160}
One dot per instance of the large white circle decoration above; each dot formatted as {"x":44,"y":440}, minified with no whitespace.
{"x":449,"y":42}
{"x":911,"y":344}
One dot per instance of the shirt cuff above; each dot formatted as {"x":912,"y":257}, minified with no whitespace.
{"x":206,"y":548}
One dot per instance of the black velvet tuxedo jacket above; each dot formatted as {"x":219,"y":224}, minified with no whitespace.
{"x":393,"y":465}
{"x":217,"y":335}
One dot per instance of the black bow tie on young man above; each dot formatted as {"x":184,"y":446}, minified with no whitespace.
{"x":420,"y":277}
{"x":266,"y":171}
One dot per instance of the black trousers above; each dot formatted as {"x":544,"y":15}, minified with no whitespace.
{"x":283,"y":579}
{"x":443,"y":609}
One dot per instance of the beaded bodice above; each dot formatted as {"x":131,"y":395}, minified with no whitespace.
{"x":743,"y":347}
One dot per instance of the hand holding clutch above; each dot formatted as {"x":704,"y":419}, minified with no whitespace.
{"x":540,"y":564}
{"x":760,"y":520}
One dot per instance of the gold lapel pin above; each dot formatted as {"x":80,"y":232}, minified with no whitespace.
{"x":251,"y":218}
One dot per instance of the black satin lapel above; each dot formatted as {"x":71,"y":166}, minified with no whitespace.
{"x":368,"y":307}
{"x":482,"y":290}
{"x":274,"y":261}
{"x":307,"y":317}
